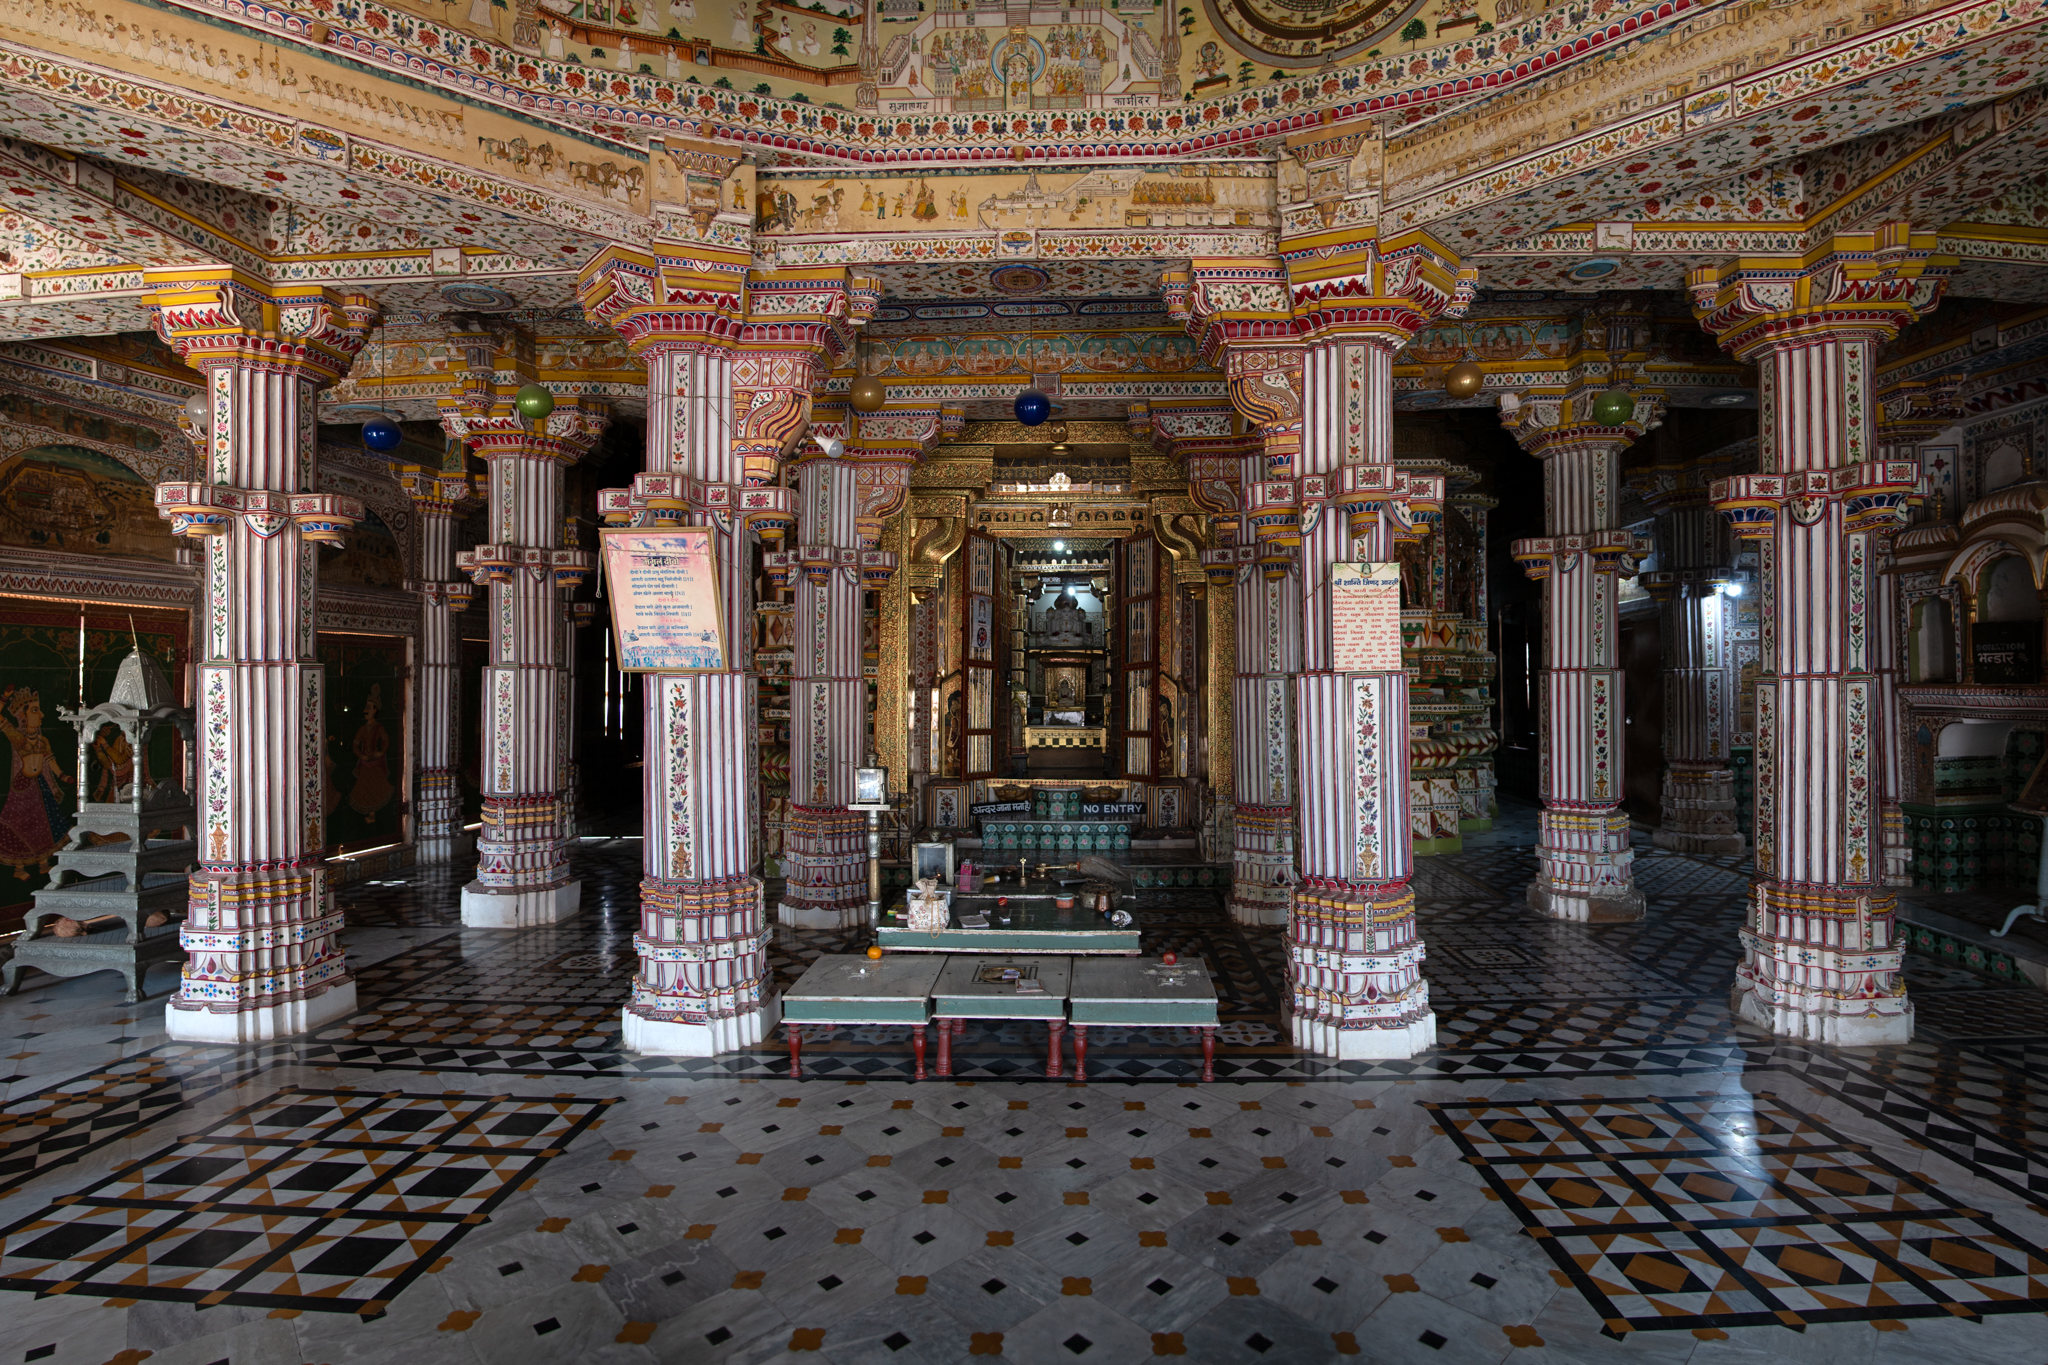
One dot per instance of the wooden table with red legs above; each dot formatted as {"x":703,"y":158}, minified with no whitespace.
{"x":985,"y":986}
{"x":1137,"y":992}
{"x":838,"y":990}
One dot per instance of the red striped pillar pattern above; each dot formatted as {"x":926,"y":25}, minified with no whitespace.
{"x":720,"y":417}
{"x":1355,"y":951}
{"x":1821,"y":958}
{"x":261,"y":930}
{"x":1263,"y":732}
{"x":522,"y":874}
{"x":1698,"y":800}
{"x":703,"y":986}
{"x":437,"y":826}
{"x":1584,"y":863}
{"x":825,"y":850}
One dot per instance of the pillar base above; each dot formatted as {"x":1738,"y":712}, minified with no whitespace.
{"x":262,"y":1023}
{"x":1686,"y":841}
{"x":432,"y":850}
{"x":1259,"y":903}
{"x":1836,"y":1023}
{"x":823,"y":916}
{"x":1620,"y":906}
{"x":1823,"y":964}
{"x":484,"y":908}
{"x":1699,"y":810}
{"x":669,"y":1038}
{"x":1365,"y":1044}
{"x":1584,"y":867}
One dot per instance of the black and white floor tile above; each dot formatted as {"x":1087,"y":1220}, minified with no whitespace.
{"x":1596,"y":1163}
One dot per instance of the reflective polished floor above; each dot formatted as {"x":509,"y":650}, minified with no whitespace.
{"x":1596,"y":1164}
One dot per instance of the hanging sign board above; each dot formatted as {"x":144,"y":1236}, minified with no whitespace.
{"x":663,"y":587}
{"x":1365,"y":617}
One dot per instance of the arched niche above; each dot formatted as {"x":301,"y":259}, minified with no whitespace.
{"x":1931,"y":643}
{"x":2007,"y":591}
{"x":2005,"y":640}
{"x":2005,"y":466}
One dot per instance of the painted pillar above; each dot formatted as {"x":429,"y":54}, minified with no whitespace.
{"x":1357,"y":953}
{"x":720,"y":416}
{"x":1911,"y":413}
{"x":1820,"y":958}
{"x":825,"y":849}
{"x":261,"y":931}
{"x":1584,"y":863}
{"x":522,"y":875}
{"x":1237,"y":313}
{"x":1268,"y":635}
{"x":439,"y":496}
{"x":1477,"y":740}
{"x":1692,"y":582}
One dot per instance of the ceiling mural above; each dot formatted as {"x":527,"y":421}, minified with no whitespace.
{"x":1032,"y":353}
{"x":960,"y":56}
{"x":1091,"y":280}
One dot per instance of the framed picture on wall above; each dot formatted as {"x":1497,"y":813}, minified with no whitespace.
{"x":947,"y":805}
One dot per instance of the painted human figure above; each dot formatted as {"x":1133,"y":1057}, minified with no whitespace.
{"x":34,"y":820}
{"x":1017,"y":72}
{"x":115,"y":757}
{"x":372,"y":790}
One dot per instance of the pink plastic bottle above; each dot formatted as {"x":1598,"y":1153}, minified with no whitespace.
{"x":966,"y":877}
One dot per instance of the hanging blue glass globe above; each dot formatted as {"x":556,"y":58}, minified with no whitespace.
{"x":1033,"y":407}
{"x":381,"y":433}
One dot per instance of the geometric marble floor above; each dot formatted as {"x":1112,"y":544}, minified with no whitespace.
{"x":1596,"y":1163}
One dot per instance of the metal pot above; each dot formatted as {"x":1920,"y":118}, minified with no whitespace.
{"x":1098,"y":898}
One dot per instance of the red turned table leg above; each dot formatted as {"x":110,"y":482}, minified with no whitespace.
{"x":1208,"y":1054}
{"x":796,"y":1061}
{"x":945,"y":1047}
{"x":1080,"y":1035}
{"x":917,"y":1048}
{"x":1053,"y":1029}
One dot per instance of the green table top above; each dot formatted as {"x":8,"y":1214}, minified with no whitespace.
{"x":1140,"y":991}
{"x":1030,"y":923}
{"x":969,"y":987}
{"x":848,"y":989}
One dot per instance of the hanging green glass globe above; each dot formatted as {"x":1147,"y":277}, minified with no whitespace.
{"x":534,"y":402}
{"x":1612,"y":407}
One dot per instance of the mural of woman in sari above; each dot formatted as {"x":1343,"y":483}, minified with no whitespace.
{"x":372,"y":790}
{"x":34,"y":819}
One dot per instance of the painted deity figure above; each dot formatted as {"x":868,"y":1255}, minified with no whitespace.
{"x":34,"y":820}
{"x":371,"y":746}
{"x":1017,"y":72}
